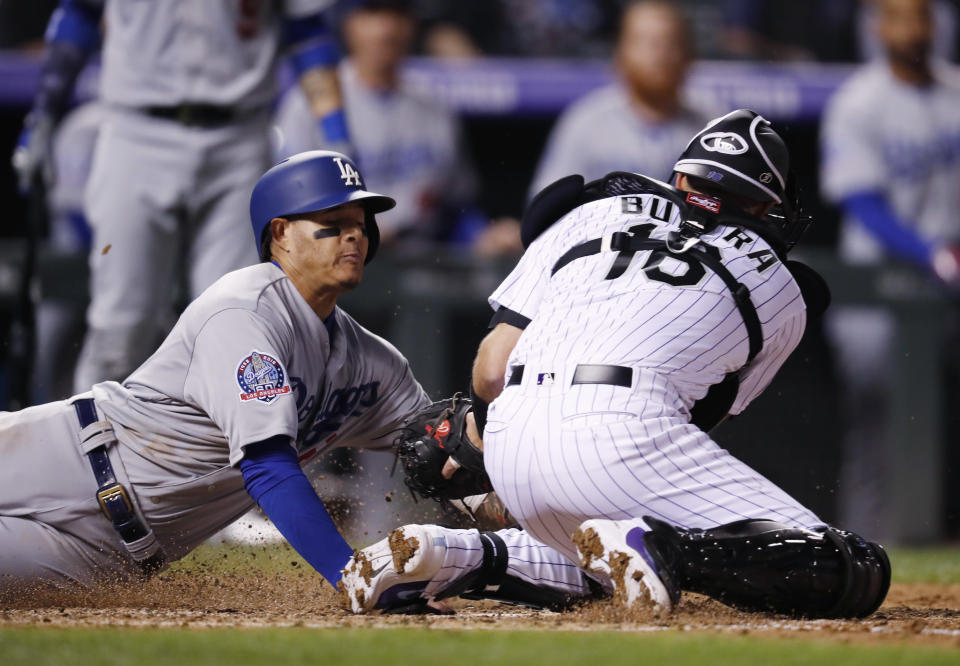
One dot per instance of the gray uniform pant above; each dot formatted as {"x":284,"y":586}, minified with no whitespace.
{"x":161,"y":193}
{"x":52,"y":531}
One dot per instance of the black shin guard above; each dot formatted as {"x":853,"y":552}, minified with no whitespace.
{"x":761,"y":565}
{"x":491,"y":581}
{"x":490,"y":573}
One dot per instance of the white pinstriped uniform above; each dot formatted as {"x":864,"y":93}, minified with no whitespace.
{"x":559,"y":454}
{"x":527,"y":560}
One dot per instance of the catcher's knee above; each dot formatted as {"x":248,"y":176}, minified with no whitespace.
{"x":762,"y":565}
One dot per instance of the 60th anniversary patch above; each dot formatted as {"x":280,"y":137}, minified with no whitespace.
{"x":261,"y":377}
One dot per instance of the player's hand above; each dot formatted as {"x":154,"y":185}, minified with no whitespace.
{"x":500,"y":238}
{"x":33,"y":155}
{"x":473,"y":434}
{"x":945,"y":262}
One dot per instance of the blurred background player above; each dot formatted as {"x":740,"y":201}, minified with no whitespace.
{"x":405,"y":143}
{"x":519,"y":28}
{"x":639,"y":123}
{"x":60,"y":320}
{"x":891,"y":161}
{"x":188,"y":88}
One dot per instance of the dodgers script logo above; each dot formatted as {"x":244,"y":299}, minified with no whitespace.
{"x":261,"y":377}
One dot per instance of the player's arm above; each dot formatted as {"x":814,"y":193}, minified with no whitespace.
{"x":515,"y":302}
{"x":73,"y":34}
{"x":314,"y":57}
{"x":872,"y":209}
{"x":274,"y":479}
{"x":854,"y":175}
{"x":490,"y":364}
{"x":768,"y":362}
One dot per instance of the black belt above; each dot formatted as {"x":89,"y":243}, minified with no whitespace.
{"x":616,"y":375}
{"x":195,"y":115}
{"x":112,"y":496}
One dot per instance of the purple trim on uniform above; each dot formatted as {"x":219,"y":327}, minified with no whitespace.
{"x":635,"y":540}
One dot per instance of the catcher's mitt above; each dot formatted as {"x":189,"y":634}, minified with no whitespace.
{"x":428,"y":438}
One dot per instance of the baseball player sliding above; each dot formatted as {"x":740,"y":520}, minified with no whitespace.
{"x":261,"y":374}
{"x":640,"y":316}
{"x":188,"y":88}
{"x":261,"y":370}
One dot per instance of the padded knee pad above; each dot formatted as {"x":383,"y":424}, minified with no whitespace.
{"x":762,"y":565}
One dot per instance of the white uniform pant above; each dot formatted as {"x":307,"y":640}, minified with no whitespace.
{"x":162,"y":194}
{"x":52,"y":531}
{"x":557,"y":459}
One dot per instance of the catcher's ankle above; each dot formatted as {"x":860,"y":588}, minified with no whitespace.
{"x":484,"y":570}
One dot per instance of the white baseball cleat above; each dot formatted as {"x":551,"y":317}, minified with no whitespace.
{"x":615,"y":549}
{"x":392,"y":574}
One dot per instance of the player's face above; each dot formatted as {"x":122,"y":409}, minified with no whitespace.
{"x":378,"y":40}
{"x":652,"y":53}
{"x":325,"y":250}
{"x":906,"y":29}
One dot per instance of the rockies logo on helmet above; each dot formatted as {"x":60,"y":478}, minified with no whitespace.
{"x":742,"y":154}
{"x":724,"y":142}
{"x":739,"y":152}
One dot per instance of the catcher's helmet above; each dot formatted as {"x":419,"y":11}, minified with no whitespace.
{"x":312,"y":181}
{"x":742,"y":154}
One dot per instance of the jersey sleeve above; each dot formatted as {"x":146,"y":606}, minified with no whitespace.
{"x":401,"y":395}
{"x":768,"y":362}
{"x":238,"y":376}
{"x":522,"y":291}
{"x":852,"y":159}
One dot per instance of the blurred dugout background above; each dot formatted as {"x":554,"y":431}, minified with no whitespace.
{"x":507,"y":69}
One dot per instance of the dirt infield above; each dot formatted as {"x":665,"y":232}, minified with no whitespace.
{"x":915,"y":613}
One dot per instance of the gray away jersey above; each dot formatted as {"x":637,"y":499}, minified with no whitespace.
{"x":406,"y":144}
{"x":248,"y":360}
{"x":677,"y":323}
{"x":880,"y":134}
{"x":602,"y":132}
{"x":210,"y":51}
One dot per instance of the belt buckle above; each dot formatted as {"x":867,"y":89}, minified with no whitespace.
{"x":110,"y":494}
